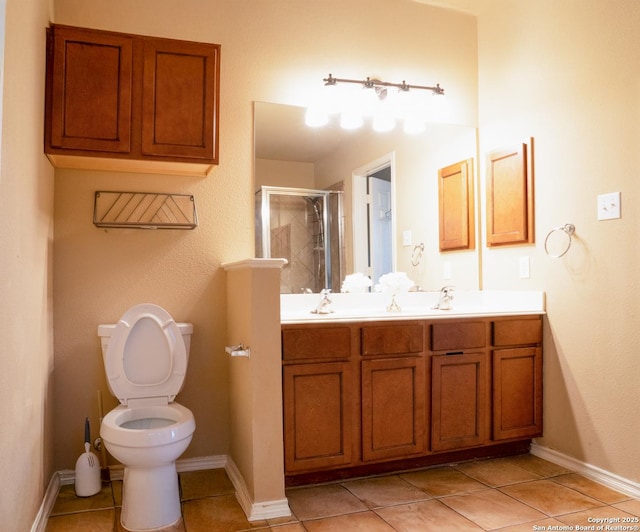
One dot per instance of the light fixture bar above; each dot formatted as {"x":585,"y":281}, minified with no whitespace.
{"x":372,"y":83}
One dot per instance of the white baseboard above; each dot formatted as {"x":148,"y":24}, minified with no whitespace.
{"x":218,"y":461}
{"x":40,"y":522}
{"x":611,"y":480}
{"x":255,"y":511}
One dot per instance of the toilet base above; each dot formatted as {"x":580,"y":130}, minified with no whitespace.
{"x":150,"y":498}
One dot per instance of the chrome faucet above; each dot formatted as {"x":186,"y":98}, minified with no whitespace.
{"x":445,"y":298}
{"x":325,"y":301}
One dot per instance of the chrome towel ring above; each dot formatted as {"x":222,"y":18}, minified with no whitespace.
{"x":418,"y":250}
{"x":560,"y":239}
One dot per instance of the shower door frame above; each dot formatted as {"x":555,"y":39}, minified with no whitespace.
{"x":268,"y":191}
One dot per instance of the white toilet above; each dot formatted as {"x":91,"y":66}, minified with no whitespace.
{"x":145,"y":357}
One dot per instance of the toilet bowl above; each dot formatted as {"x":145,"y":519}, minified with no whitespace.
{"x":145,"y":357}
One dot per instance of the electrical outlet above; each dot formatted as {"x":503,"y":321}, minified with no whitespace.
{"x":524,"y":268}
{"x":446,"y":270}
{"x":609,"y":206}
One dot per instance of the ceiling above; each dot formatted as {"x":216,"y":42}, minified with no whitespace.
{"x":281,"y":134}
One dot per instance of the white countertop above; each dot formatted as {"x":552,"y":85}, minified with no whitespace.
{"x":297,"y":308}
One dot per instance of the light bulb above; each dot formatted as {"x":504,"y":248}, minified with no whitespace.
{"x":351,"y":109}
{"x":384,"y":120}
{"x":331,"y":98}
{"x":369,"y":101}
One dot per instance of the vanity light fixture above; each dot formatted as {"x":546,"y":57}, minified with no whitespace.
{"x":381,"y":101}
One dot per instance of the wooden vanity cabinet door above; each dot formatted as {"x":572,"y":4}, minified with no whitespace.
{"x":517,"y":393}
{"x":510,"y":202}
{"x":179,"y":95}
{"x":459,"y":401}
{"x":456,"y":207}
{"x":458,"y":335}
{"x":90,"y":90}
{"x":393,"y":407}
{"x":318,"y":416}
{"x":323,"y":343}
{"x":396,"y":339}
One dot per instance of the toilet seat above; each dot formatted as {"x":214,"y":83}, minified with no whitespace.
{"x":116,"y":429}
{"x":146,"y":359}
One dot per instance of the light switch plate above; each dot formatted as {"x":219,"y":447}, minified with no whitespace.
{"x":407,"y":237}
{"x":609,"y":206}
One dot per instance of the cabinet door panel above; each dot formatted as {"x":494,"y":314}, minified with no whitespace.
{"x":393,"y":408}
{"x":392,"y":339}
{"x":460,"y":387}
{"x":91,"y":91}
{"x":517,"y":393}
{"x":317,"y":416}
{"x":517,"y":331}
{"x":309,"y":343}
{"x":458,"y":335}
{"x":180,"y":88}
{"x":510,"y":195}
{"x":456,"y":212}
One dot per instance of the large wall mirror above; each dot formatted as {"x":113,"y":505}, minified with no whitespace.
{"x":334,"y":202}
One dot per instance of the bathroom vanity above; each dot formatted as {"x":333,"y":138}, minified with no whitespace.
{"x":368,"y":391}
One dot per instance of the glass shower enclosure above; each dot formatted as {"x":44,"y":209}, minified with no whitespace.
{"x":304,"y":226}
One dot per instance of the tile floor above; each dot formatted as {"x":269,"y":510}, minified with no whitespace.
{"x":521,"y":493}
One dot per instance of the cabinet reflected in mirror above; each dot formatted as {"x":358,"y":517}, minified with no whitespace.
{"x":289,"y":154}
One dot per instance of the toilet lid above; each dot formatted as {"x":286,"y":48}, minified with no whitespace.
{"x":146,"y":357}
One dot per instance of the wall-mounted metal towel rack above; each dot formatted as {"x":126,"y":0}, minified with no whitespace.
{"x":144,"y":210}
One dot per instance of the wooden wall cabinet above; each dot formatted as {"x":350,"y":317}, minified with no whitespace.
{"x":456,"y":206}
{"x":132,"y":103}
{"x":91,"y":75}
{"x":510,"y":205}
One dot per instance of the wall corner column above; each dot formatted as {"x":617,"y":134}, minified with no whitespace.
{"x":256,"y":455}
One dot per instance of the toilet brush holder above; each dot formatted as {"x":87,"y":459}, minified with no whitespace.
{"x":88,"y":481}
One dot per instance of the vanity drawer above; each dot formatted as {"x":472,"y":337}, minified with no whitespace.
{"x":458,"y":335}
{"x":517,"y":332}
{"x":316,"y":343}
{"x":393,"y":339}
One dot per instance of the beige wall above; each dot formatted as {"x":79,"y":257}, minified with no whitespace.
{"x":283,"y":174}
{"x":567,"y":74}
{"x":26,"y":246}
{"x":273,"y":51}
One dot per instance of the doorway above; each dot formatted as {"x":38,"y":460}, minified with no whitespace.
{"x":373,"y":220}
